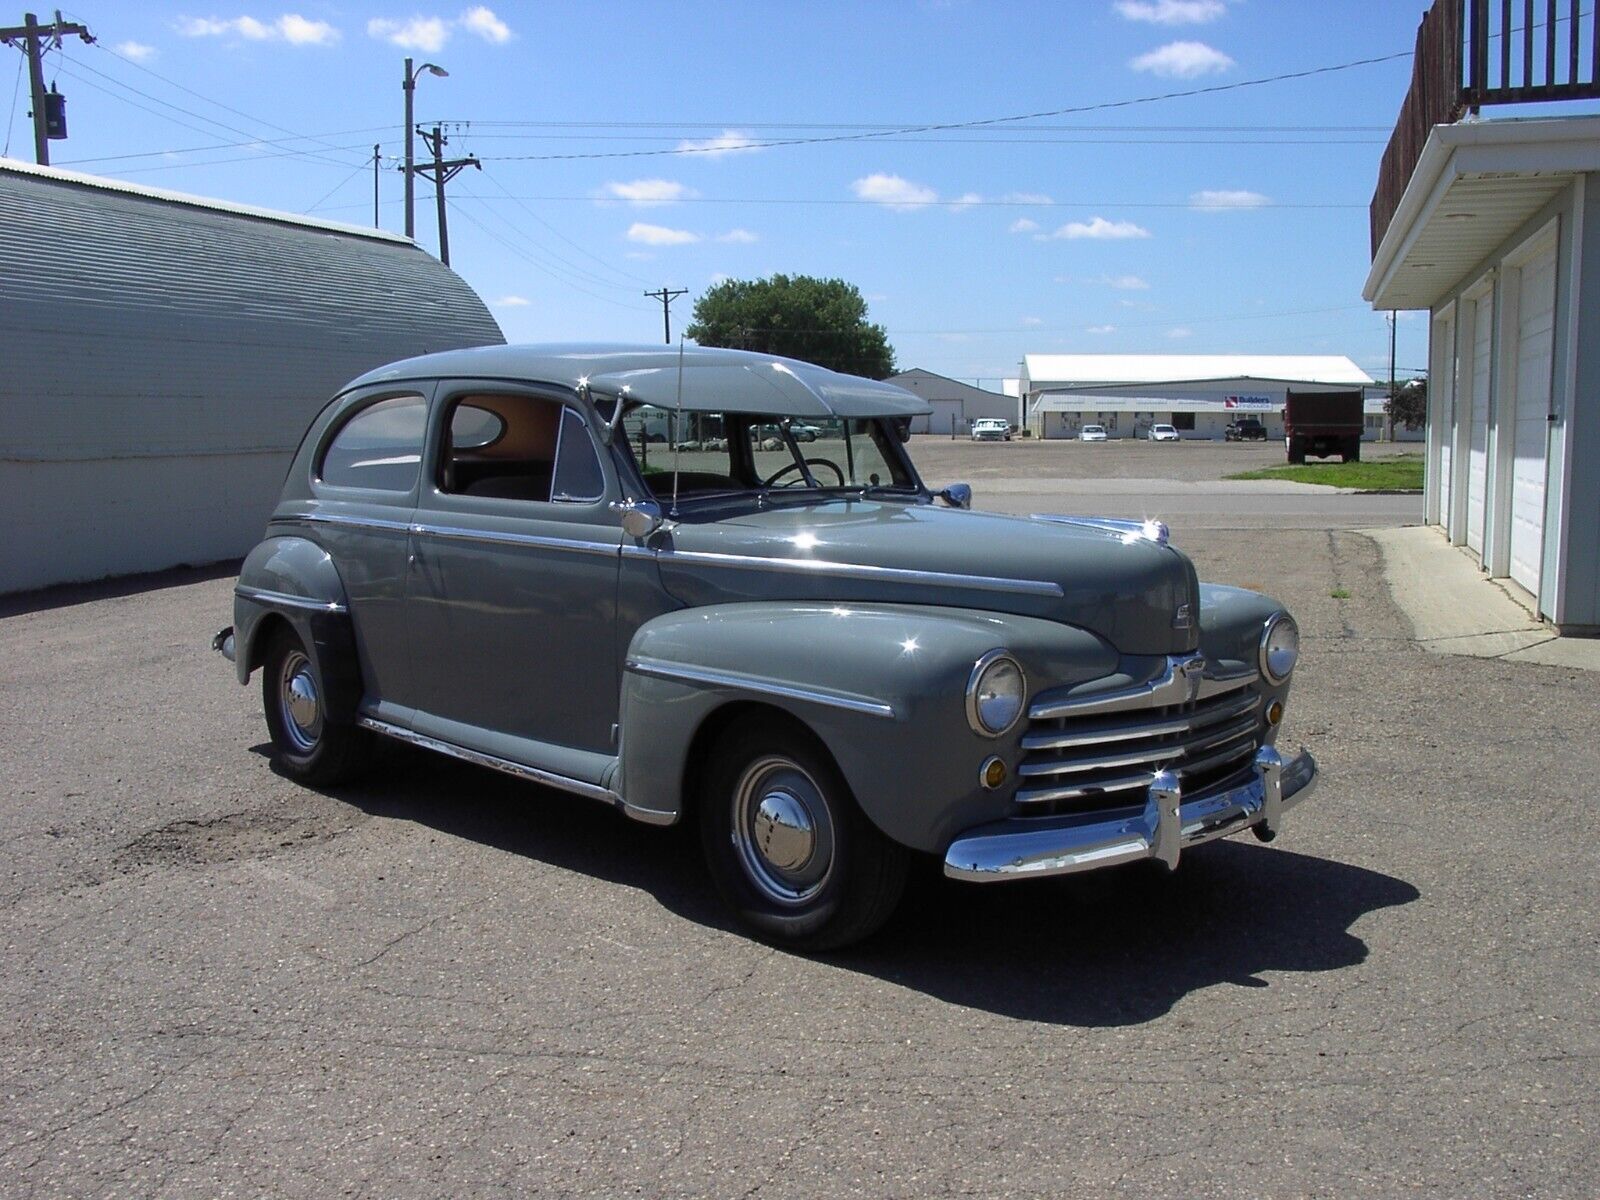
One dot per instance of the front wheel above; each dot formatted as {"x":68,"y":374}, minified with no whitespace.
{"x":786,"y":844}
{"x":307,"y":746}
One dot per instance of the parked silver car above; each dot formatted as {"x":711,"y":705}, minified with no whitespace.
{"x":823,"y":664}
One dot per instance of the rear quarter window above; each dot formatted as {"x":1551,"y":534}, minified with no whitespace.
{"x":378,"y":448}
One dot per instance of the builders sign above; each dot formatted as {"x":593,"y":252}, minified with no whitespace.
{"x":1253,"y":403}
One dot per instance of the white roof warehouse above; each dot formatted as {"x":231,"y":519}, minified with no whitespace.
{"x":1198,"y":393}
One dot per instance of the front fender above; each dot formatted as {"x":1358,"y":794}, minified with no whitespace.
{"x":882,"y":685}
{"x":1232,"y":621}
{"x":294,"y":578}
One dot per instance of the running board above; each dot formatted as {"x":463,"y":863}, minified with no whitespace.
{"x":590,"y":791}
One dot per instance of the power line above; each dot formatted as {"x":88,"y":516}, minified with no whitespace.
{"x":520,"y":253}
{"x":955,"y":203}
{"x":943,"y":126}
{"x":16,"y":91}
{"x":237,"y":145}
{"x":536,"y":217}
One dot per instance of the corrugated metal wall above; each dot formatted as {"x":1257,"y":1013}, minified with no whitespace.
{"x":159,"y":362}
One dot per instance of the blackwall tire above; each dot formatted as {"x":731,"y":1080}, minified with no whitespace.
{"x":786,"y":844}
{"x":306,"y":746}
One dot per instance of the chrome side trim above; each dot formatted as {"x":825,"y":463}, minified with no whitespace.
{"x":497,"y":537}
{"x":813,"y":566}
{"x":285,"y":600}
{"x":1131,"y":531}
{"x":657,"y":669}
{"x":1164,"y":827}
{"x":325,"y":518}
{"x":577,"y":787}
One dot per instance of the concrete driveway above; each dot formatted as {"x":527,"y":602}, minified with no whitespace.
{"x":448,"y":983}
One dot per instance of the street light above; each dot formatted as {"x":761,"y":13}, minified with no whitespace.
{"x":409,"y":86}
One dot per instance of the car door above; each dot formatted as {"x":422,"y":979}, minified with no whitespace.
{"x":513,"y":581}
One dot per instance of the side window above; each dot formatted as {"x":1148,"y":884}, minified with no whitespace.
{"x":378,"y":448}
{"x":500,"y":445}
{"x":577,"y":474}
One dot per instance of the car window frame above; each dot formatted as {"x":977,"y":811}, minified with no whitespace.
{"x":337,"y":416}
{"x":449,"y":391}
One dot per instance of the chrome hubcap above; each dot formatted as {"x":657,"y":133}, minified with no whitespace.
{"x":782,"y":830}
{"x":298,"y":702}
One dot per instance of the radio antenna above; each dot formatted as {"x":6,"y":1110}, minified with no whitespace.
{"x":677,"y":430}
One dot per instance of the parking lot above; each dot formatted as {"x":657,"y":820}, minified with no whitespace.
{"x":447,"y":982}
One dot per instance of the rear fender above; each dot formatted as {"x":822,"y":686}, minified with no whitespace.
{"x":293,"y":579}
{"x":883,"y":686}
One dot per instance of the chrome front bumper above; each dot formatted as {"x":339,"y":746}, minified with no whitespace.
{"x":1032,"y":849}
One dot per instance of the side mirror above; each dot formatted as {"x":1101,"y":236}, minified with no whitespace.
{"x":957,"y":495}
{"x":640,"y":518}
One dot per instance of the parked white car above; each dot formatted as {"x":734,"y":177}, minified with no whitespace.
{"x":1163,"y":433}
{"x":1092,"y":433}
{"x":991,"y":429}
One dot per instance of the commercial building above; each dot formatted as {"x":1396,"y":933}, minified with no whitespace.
{"x":955,"y":405}
{"x":161,"y":355}
{"x":1199,"y":394}
{"x":1492,"y":226}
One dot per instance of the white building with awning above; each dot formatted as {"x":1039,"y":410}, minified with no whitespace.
{"x":1199,"y":394}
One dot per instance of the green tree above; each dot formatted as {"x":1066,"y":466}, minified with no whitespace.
{"x":822,"y":321}
{"x":1408,"y":403}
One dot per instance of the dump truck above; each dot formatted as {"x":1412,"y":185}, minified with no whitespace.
{"x":1322,"y":424}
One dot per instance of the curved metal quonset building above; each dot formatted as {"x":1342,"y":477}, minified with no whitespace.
{"x":161,"y":354}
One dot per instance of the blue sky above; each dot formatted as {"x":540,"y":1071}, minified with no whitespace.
{"x":628,"y":146}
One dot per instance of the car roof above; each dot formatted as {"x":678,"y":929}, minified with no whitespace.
{"x":691,"y":378}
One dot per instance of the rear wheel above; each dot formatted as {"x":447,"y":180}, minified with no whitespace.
{"x":1352,"y":451}
{"x":1297,"y":451}
{"x":307,"y":746}
{"x":786,"y":844}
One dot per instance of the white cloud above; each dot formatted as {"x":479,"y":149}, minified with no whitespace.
{"x":1172,"y":12}
{"x":137,"y":51}
{"x":1033,"y":320}
{"x":1101,"y":329}
{"x":1180,"y":331}
{"x":299,"y":31}
{"x":291,"y":28}
{"x":894,"y":192}
{"x":719,"y":277}
{"x":1027,"y":198}
{"x":729,"y":141}
{"x":485,"y":24}
{"x":966,"y":200}
{"x":738,"y":237}
{"x":418,"y":33}
{"x":1183,"y":60}
{"x":1099,"y":229}
{"x":1125,"y":283}
{"x":1023,"y":225}
{"x":512,"y":302}
{"x":648,"y":191}
{"x":1227,"y":201}
{"x":660,"y":235}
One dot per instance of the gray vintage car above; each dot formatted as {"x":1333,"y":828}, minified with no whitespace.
{"x":617,"y":572}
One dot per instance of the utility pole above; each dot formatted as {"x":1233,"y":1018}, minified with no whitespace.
{"x":375,"y":150}
{"x":49,"y":109}
{"x":667,"y":296}
{"x":442,"y":172}
{"x":409,"y":85}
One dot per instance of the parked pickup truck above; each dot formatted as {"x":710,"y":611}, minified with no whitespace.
{"x":1322,"y":424}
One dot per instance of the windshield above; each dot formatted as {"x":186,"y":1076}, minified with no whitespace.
{"x":717,"y":454}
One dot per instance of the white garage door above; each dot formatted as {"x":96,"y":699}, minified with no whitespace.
{"x":1478,"y":450}
{"x":1444,"y":418}
{"x":1535,"y":351}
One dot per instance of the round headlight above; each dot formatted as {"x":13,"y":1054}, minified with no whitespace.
{"x":995,"y":693}
{"x":1280,"y":647}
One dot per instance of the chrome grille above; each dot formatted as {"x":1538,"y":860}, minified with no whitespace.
{"x":1089,"y":753}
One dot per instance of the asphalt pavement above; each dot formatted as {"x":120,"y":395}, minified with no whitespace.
{"x":446,"y":982}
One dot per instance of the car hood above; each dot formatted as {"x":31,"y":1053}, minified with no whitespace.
{"x":1141,"y":596}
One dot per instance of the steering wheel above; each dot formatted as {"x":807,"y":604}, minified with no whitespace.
{"x":771,"y":480}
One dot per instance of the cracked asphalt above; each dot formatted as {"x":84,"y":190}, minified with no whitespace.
{"x":445,"y":982}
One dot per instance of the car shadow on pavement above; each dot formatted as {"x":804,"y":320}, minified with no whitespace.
{"x":1113,"y":947}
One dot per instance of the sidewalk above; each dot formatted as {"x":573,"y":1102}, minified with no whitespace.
{"x":1455,"y":609}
